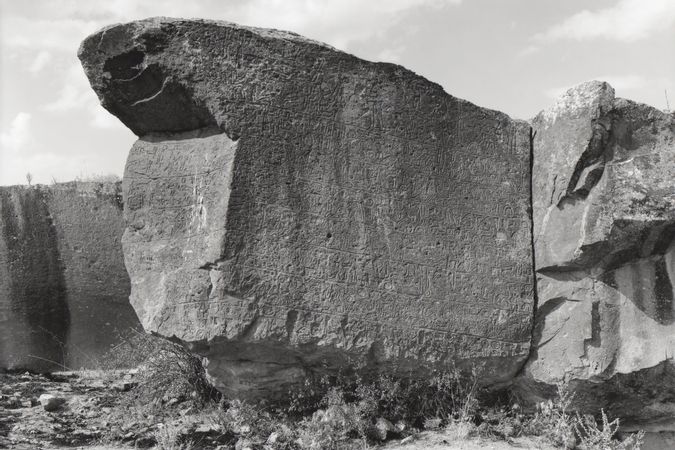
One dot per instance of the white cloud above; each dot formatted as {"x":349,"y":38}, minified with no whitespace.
{"x":624,"y":82}
{"x":63,"y":24}
{"x":12,"y":143}
{"x":100,"y":118}
{"x":529,"y":50}
{"x":40,"y":61}
{"x":43,"y":167}
{"x":17,"y":158}
{"x":35,"y":34}
{"x":336,"y":22}
{"x":17,"y":135}
{"x":627,"y":21}
{"x":76,"y":94}
{"x":391,"y":55}
{"x":70,"y":97}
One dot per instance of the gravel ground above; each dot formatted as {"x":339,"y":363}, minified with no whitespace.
{"x":95,"y":417}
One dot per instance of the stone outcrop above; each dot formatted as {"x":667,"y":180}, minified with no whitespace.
{"x":604,"y":237}
{"x":290,"y":206}
{"x":63,"y":286}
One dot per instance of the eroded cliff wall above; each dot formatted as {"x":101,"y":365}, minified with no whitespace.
{"x":63,"y":285}
{"x":604,"y":234}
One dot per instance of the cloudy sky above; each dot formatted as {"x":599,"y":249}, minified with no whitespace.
{"x":511,"y":55}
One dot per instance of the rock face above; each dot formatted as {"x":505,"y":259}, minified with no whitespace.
{"x":290,"y":206}
{"x":63,"y":286}
{"x":604,"y":233}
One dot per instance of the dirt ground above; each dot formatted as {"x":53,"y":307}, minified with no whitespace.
{"x":95,"y":416}
{"x":83,"y":420}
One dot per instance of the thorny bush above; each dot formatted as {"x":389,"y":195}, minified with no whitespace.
{"x":166,"y":370}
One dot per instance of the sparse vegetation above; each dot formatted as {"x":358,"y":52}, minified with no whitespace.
{"x":348,"y":411}
{"x":604,"y":437}
{"x":553,"y":419}
{"x":169,"y":437}
{"x":167,"y":401}
{"x":167,"y":371}
{"x":98,"y":178}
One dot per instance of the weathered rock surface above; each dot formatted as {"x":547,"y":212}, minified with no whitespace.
{"x":604,"y":233}
{"x":63,"y":285}
{"x":290,"y":205}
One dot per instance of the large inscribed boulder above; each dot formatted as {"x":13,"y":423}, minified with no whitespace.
{"x":290,"y":206}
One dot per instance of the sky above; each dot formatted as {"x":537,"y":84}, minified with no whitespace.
{"x":512,"y":55}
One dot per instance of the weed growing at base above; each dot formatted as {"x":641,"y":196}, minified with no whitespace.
{"x":166,"y":370}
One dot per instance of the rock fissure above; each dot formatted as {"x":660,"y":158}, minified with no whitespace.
{"x":590,"y":166}
{"x":153,"y":96}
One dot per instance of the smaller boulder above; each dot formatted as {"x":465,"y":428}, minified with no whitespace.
{"x":51,"y":402}
{"x":383,"y":428}
{"x":124,"y":385}
{"x":273,"y":438}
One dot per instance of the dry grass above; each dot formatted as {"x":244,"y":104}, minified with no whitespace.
{"x":168,"y":437}
{"x":602,"y":435}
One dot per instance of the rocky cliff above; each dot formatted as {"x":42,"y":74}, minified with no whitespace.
{"x":63,"y":286}
{"x":604,"y":233}
{"x":290,"y":206}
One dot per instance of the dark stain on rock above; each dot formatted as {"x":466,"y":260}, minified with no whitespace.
{"x":663,"y":293}
{"x":595,"y":340}
{"x":540,"y":320}
{"x":126,"y":65}
{"x":37,"y":293}
{"x":652,"y":295}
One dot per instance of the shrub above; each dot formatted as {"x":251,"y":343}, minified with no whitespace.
{"x":98,"y":178}
{"x":553,"y":420}
{"x":253,"y":424}
{"x":505,"y":422}
{"x":594,"y":438}
{"x":166,"y":370}
{"x":241,"y":418}
{"x":340,"y":425}
{"x":168,"y":437}
{"x":347,"y":409}
{"x":446,"y":395}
